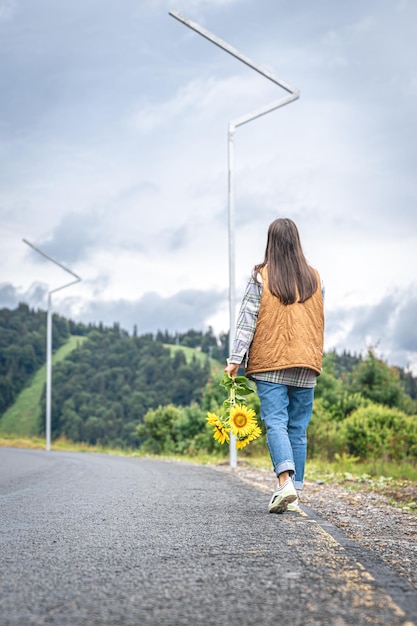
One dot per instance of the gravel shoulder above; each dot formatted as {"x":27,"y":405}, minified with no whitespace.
{"x":366,"y":517}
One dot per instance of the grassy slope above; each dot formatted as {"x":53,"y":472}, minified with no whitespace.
{"x":21,"y":418}
{"x":190,"y":352}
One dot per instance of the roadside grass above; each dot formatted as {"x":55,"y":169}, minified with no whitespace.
{"x":61,"y":444}
{"x":21,"y":419}
{"x":396,"y":481}
{"x":64,"y":445}
{"x":341,"y":470}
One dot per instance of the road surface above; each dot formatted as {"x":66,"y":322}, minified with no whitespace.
{"x":92,"y":539}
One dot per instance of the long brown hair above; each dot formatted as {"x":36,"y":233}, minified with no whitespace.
{"x":290,"y":278}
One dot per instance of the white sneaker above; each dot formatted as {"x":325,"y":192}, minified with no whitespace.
{"x":294,"y":506}
{"x":282,"y":497}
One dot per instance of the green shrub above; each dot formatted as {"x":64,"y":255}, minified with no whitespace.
{"x":171,"y":429}
{"x":379,"y":431}
{"x":324,"y":434}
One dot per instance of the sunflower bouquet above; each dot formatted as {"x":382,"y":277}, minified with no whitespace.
{"x":238,"y":418}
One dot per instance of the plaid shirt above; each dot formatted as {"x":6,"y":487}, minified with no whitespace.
{"x":245,"y":329}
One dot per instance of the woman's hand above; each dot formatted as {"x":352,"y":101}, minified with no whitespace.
{"x":232,"y":369}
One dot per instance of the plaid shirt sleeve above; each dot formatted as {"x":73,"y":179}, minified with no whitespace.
{"x":246,"y":321}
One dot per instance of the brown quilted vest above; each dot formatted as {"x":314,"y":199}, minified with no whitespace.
{"x":287,"y":335}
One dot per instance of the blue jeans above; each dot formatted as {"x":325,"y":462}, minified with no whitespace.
{"x":286,"y":412}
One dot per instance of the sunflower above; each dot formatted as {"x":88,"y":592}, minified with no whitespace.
{"x":241,"y":443}
{"x":242,"y":420}
{"x":220,"y":431}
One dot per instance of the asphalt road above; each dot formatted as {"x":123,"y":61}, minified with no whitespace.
{"x":104,"y":540}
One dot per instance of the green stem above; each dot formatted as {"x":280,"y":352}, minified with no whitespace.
{"x":232,"y":396}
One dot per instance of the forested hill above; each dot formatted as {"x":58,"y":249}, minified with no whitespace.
{"x":23,"y":348}
{"x":103,"y":389}
{"x":110,"y":381}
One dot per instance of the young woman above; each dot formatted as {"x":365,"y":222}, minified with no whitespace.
{"x":279,"y":338}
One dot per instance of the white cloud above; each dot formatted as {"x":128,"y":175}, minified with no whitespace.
{"x":206,"y":100}
{"x":185,"y":309}
{"x":388,"y":327}
{"x":189,"y":98}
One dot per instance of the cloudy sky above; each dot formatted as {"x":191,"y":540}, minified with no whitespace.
{"x":113,"y":159}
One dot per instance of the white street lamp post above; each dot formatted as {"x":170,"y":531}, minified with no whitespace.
{"x":294,"y":95}
{"x":49,"y":340}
